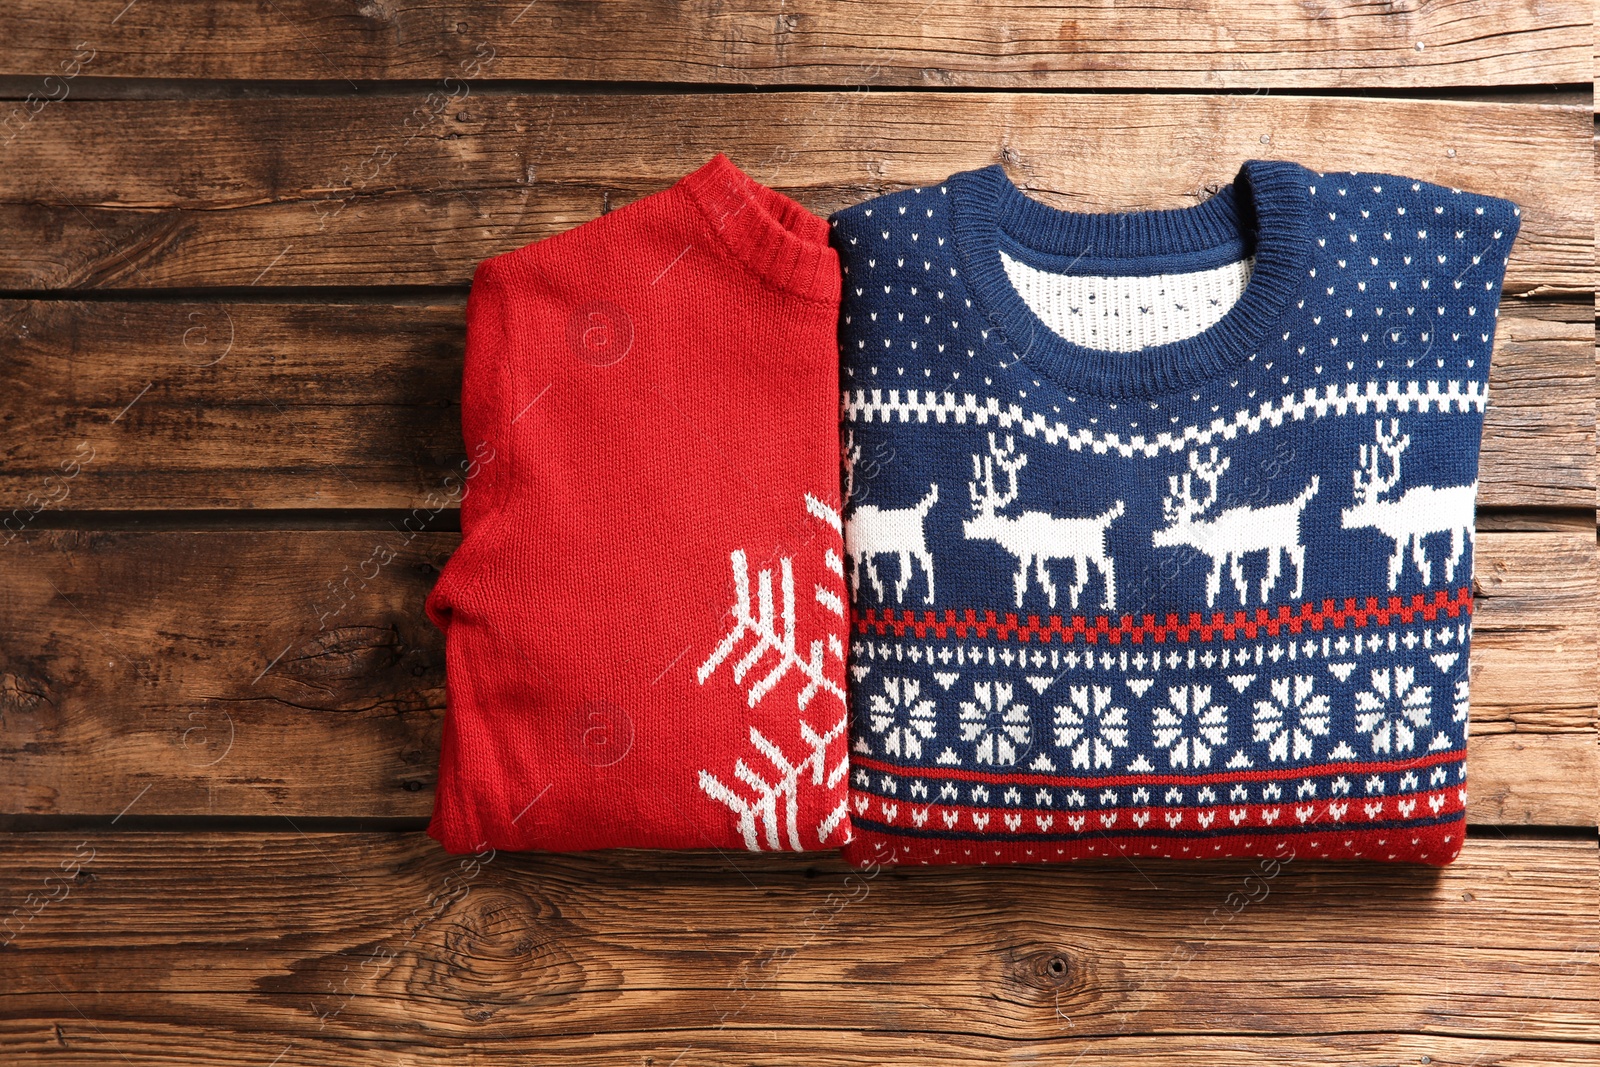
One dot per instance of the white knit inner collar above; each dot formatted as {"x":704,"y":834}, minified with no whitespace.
{"x":1125,"y":313}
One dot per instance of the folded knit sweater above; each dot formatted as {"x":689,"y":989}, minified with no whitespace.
{"x":645,"y":621}
{"x":1159,"y":525}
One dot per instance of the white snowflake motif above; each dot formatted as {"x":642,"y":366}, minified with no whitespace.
{"x":1294,"y":715}
{"x":904,"y":720}
{"x":1090,"y":726}
{"x":1393,"y":709}
{"x":761,"y":821}
{"x":1190,"y":725}
{"x":995,"y":723}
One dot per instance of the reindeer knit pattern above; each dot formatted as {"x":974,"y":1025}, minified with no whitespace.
{"x":645,"y":623}
{"x":1159,"y":525}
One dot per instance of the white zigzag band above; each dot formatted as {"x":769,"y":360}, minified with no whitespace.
{"x":865,"y":405}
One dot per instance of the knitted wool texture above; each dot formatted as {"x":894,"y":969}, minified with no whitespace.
{"x":645,"y":621}
{"x":1159,"y":525}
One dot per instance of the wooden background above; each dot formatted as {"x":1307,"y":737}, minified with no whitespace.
{"x":235,"y":242}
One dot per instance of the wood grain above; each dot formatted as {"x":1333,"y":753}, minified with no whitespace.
{"x":1539,"y":430}
{"x":1207,"y":43}
{"x":230,"y":672}
{"x":290,"y":672}
{"x":418,"y":189}
{"x":251,"y":1035}
{"x":232,"y":405}
{"x":156,"y":945}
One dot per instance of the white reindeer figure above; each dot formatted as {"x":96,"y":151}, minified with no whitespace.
{"x":1037,"y":537}
{"x":1408,"y":521}
{"x":871,"y":531}
{"x":1233,"y":534}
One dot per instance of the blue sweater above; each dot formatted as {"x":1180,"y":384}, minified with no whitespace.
{"x":1160,"y":524}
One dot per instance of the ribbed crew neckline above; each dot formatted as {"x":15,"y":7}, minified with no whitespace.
{"x":774,"y":236}
{"x":1265,"y":210}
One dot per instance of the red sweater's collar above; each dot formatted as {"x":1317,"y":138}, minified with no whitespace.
{"x":775,"y":236}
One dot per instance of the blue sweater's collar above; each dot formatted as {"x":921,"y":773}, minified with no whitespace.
{"x":1266,"y":211}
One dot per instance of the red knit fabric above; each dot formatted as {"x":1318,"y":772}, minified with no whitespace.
{"x":645,"y":628}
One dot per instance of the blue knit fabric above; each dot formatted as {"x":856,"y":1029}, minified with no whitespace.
{"x":1195,"y":598}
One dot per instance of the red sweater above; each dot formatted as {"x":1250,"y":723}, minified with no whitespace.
{"x":645,"y":628}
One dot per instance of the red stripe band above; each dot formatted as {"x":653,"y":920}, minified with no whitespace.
{"x":998,"y":778}
{"x":1310,"y":618}
{"x":1352,"y":810}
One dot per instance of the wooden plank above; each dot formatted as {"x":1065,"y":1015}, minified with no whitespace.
{"x":157,"y":945}
{"x":293,"y":672}
{"x":173,"y":1041}
{"x":234,"y":405}
{"x":1207,"y":44}
{"x":1525,"y":778}
{"x":1539,"y":430}
{"x":1534,"y":641}
{"x":417,"y":190}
